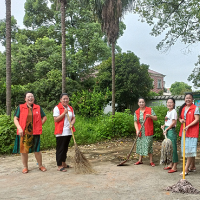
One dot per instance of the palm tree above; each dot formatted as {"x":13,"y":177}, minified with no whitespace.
{"x":109,"y":13}
{"x":8,"y":57}
{"x":62,"y":9}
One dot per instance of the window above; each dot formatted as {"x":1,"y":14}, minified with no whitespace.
{"x":159,"y":83}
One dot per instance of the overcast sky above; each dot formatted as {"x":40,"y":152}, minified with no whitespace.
{"x":176,"y":65}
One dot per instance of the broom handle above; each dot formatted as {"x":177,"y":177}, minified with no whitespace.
{"x":71,"y":128}
{"x":184,"y":150}
{"x":164,"y":134}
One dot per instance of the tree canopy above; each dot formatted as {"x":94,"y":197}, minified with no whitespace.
{"x":180,"y":88}
{"x":132,"y":79}
{"x":178,"y":19}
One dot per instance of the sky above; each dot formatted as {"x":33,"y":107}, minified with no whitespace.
{"x":175,"y":64}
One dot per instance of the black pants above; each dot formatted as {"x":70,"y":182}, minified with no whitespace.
{"x":62,"y":143}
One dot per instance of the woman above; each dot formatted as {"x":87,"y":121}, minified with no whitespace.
{"x":145,"y":139}
{"x":28,"y":119}
{"x":169,"y":126}
{"x":189,"y":114}
{"x":63,"y":130}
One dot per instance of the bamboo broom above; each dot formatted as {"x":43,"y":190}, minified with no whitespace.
{"x":183,"y":186}
{"x":81,"y":164}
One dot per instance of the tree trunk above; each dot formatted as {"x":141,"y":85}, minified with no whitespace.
{"x":8,"y":57}
{"x":62,"y":9}
{"x":113,"y":78}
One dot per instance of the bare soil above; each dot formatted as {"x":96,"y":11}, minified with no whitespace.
{"x":110,"y":182}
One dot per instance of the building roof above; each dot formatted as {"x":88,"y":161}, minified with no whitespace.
{"x":154,"y":72}
{"x":176,"y":97}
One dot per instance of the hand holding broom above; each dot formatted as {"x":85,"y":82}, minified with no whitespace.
{"x":81,"y":164}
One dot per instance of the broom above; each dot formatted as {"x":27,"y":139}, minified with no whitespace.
{"x":81,"y":164}
{"x":183,"y":186}
{"x":137,"y":135}
{"x":166,"y":151}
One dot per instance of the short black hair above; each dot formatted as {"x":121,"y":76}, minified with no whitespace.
{"x":63,"y":95}
{"x":27,"y":93}
{"x":141,"y":98}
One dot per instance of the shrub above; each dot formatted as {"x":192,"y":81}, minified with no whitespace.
{"x":7,"y":134}
{"x":120,"y":125}
{"x":90,"y":103}
{"x":160,"y":111}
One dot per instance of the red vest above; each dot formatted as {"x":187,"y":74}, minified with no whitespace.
{"x":193,"y":131}
{"x":59,"y":125}
{"x":148,"y":125}
{"x":37,"y":122}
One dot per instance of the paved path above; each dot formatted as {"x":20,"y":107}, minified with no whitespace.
{"x":110,"y":182}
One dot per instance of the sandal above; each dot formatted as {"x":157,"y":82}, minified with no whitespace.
{"x":67,"y":166}
{"x":43,"y":169}
{"x":62,"y":169}
{"x":152,"y":164}
{"x":167,"y":168}
{"x":181,"y":174}
{"x":138,"y":163}
{"x":192,"y":170}
{"x":25,"y":171}
{"x":172,"y":171}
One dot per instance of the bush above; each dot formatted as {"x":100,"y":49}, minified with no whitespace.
{"x":120,"y":125}
{"x":90,"y":103}
{"x":160,"y":111}
{"x":7,"y":134}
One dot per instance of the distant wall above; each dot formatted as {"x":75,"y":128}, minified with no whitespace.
{"x":153,"y":102}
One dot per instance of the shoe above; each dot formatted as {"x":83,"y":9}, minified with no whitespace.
{"x":62,"y":169}
{"x":25,"y":171}
{"x":172,"y":171}
{"x":152,"y":164}
{"x":192,"y":170}
{"x":167,"y":168}
{"x":181,"y":174}
{"x":138,"y":163}
{"x":43,"y":169}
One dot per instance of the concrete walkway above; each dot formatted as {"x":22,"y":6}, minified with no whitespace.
{"x":110,"y":182}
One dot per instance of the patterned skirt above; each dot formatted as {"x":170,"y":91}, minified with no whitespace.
{"x":190,"y":146}
{"x":144,"y":145}
{"x":27,"y":144}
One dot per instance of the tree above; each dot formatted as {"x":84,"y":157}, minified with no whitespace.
{"x":109,"y":13}
{"x":37,"y":13}
{"x":178,"y":18}
{"x":195,"y":75}
{"x":62,"y":10}
{"x":132,"y":79}
{"x":8,"y":57}
{"x":180,"y":88}
{"x":14,"y":30}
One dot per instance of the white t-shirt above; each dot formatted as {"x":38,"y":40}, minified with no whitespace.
{"x":66,"y":129}
{"x":170,"y":116}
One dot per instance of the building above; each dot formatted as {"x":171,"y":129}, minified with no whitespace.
{"x":158,"y":81}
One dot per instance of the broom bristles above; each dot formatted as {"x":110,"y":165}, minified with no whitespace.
{"x":166,"y":152}
{"x":183,"y":186}
{"x":81,"y":164}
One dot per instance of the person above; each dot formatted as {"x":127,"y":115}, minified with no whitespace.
{"x":145,"y":139}
{"x":170,"y":132}
{"x":28,"y":119}
{"x":63,"y":130}
{"x":189,"y":114}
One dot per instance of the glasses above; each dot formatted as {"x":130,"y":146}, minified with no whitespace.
{"x":30,"y":97}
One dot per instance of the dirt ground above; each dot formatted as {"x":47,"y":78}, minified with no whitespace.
{"x":110,"y":182}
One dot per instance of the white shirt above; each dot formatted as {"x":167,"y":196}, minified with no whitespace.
{"x":66,"y":129}
{"x":170,"y":116}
